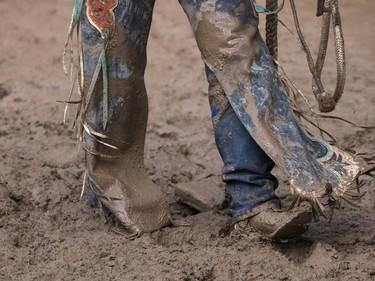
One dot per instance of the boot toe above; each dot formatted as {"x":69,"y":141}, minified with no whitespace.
{"x":279,"y":225}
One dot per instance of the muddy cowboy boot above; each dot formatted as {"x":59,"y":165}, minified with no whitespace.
{"x":249,"y":184}
{"x":114,"y":113}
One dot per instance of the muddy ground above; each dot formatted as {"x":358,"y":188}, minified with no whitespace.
{"x":47,"y":233}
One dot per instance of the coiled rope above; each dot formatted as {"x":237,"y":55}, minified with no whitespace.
{"x":328,"y":9}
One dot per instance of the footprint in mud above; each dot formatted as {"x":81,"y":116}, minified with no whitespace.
{"x":3,"y":92}
{"x":296,"y":250}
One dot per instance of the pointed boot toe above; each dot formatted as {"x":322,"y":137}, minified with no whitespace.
{"x":280,"y":225}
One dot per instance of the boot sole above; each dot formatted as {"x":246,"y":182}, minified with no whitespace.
{"x":295,"y":227}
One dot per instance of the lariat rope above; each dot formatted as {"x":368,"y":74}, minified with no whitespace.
{"x":271,"y":29}
{"x":327,"y":9}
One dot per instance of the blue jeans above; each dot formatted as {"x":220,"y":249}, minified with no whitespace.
{"x":247,"y":168}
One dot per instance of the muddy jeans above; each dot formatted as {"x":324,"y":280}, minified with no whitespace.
{"x":253,"y":122}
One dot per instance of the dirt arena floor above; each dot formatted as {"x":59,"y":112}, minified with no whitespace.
{"x":47,"y":233}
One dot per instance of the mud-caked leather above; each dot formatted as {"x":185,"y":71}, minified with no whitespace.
{"x":115,"y":169}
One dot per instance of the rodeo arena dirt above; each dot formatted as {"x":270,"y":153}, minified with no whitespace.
{"x":48,"y":233}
